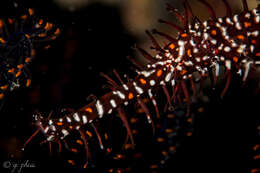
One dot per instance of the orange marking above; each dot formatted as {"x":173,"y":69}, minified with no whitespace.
{"x":170,"y":116}
{"x":89,"y":133}
{"x":2,"y":40}
{"x":200,"y":110}
{"x":28,"y":82}
{"x":133,"y":120}
{"x":30,"y":11}
{"x":189,"y":133}
{"x":42,"y":35}
{"x":256,"y":147}
{"x":53,"y":37}
{"x":4,"y":87}
{"x":159,"y":73}
{"x":27,"y":36}
{"x":172,"y":148}
{"x":127,"y":146}
{"x":27,"y":59}
{"x":79,"y":142}
{"x":20,"y":66}
{"x":48,"y":26}
{"x":120,"y":156}
{"x":140,"y":110}
{"x":189,"y":120}
{"x":24,"y":17}
{"x":33,"y":52}
{"x":189,"y":52}
{"x":183,"y":72}
{"x":108,"y":150}
{"x":257,"y":157}
{"x":74,"y":150}
{"x":160,"y":139}
{"x":85,"y":166}
{"x":214,"y":32}
{"x":1,"y":95}
{"x":142,"y":81}
{"x":257,"y":54}
{"x":240,"y":37}
{"x":255,"y":170}
{"x":40,"y":21}
{"x":154,"y":166}
{"x":10,"y":21}
{"x":253,"y":41}
{"x":71,"y":162}
{"x":172,"y":46}
{"x":164,"y":153}
{"x":57,"y":32}
{"x":130,"y":96}
{"x":18,"y":73}
{"x":134,"y":131}
{"x":70,"y":127}
{"x":235,"y":59}
{"x":168,"y":130}
{"x":11,"y":70}
{"x":1,"y":24}
{"x":47,"y":47}
{"x":247,"y":24}
{"x":106,"y":136}
{"x":184,"y":35}
{"x":59,"y":123}
{"x":89,"y":110}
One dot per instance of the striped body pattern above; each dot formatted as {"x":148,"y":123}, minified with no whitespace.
{"x":200,"y":49}
{"x":18,"y":36}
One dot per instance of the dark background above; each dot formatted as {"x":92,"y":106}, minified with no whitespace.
{"x":94,"y":40}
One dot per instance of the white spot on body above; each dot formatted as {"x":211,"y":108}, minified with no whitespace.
{"x":247,"y":15}
{"x":113,"y":103}
{"x":247,"y":68}
{"x":120,"y":94}
{"x":252,"y":48}
{"x":46,"y":129}
{"x":53,"y":128}
{"x":125,"y":87}
{"x":76,"y":117}
{"x":255,"y":33}
{"x":182,"y":49}
{"x":68,"y":119}
{"x":228,"y":20}
{"x":50,"y":138}
{"x":228,"y":64}
{"x":213,"y":41}
{"x":257,"y":19}
{"x":110,"y":111}
{"x":100,"y":109}
{"x":65,"y":132}
{"x":241,"y":48}
{"x":138,"y":89}
{"x":197,"y":59}
{"x":173,"y":82}
{"x":168,"y":77}
{"x":84,"y":119}
{"x":195,"y":50}
{"x":227,"y":49}
{"x":152,"y":82}
{"x":238,"y":26}
{"x":50,"y":122}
